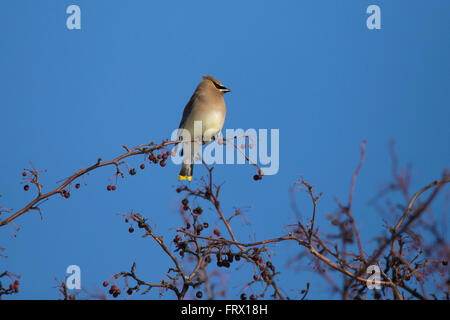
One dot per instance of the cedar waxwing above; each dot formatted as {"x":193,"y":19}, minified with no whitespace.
{"x":208,"y":106}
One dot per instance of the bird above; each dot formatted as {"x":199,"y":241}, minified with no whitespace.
{"x":207,"y":105}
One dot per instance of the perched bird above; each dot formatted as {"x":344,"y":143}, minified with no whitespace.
{"x":208,"y":106}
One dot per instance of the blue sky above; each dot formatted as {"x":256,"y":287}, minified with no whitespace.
{"x":311,"y":69}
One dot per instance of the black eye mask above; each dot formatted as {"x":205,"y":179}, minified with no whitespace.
{"x":218,"y":86}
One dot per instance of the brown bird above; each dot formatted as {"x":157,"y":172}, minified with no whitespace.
{"x":207,"y":108}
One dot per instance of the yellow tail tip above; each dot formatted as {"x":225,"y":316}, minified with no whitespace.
{"x":189,"y":178}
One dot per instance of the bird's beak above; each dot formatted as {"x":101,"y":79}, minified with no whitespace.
{"x":224,"y":90}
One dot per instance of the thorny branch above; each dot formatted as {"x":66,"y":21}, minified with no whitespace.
{"x":403,"y":260}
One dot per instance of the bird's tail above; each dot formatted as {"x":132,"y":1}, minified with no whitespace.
{"x":186,"y":171}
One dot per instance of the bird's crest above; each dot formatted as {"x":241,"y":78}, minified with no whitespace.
{"x":206,"y":77}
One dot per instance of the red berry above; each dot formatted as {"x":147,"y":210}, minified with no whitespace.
{"x":24,"y":174}
{"x":217,"y":232}
{"x":130,"y":291}
{"x":109,"y":187}
{"x":159,"y":156}
{"x":113,"y":287}
{"x":66,"y":195}
{"x":105,"y":283}
{"x":142,"y":166}
{"x":77,"y":186}
{"x":163,"y":163}
{"x":131,"y":230}
{"x":26,"y":187}
{"x":113,"y":188}
{"x":165,"y":156}
{"x":71,"y":297}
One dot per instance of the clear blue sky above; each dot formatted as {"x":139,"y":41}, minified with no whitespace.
{"x":312,"y":69}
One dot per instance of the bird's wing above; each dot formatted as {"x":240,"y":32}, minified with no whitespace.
{"x":187,"y":110}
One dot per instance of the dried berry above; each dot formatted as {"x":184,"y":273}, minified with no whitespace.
{"x":77,"y":186}
{"x":131,"y":230}
{"x":198,"y":210}
{"x":105,"y":283}
{"x":142,"y":166}
{"x":199,"y":294}
{"x":26,"y":187}
{"x":257,"y":177}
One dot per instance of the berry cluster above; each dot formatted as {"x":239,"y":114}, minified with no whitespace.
{"x":65,"y":194}
{"x":225,"y":259}
{"x":161,"y":158}
{"x":14,"y":286}
{"x":113,"y":290}
{"x":111,"y":187}
{"x":244,"y":297}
